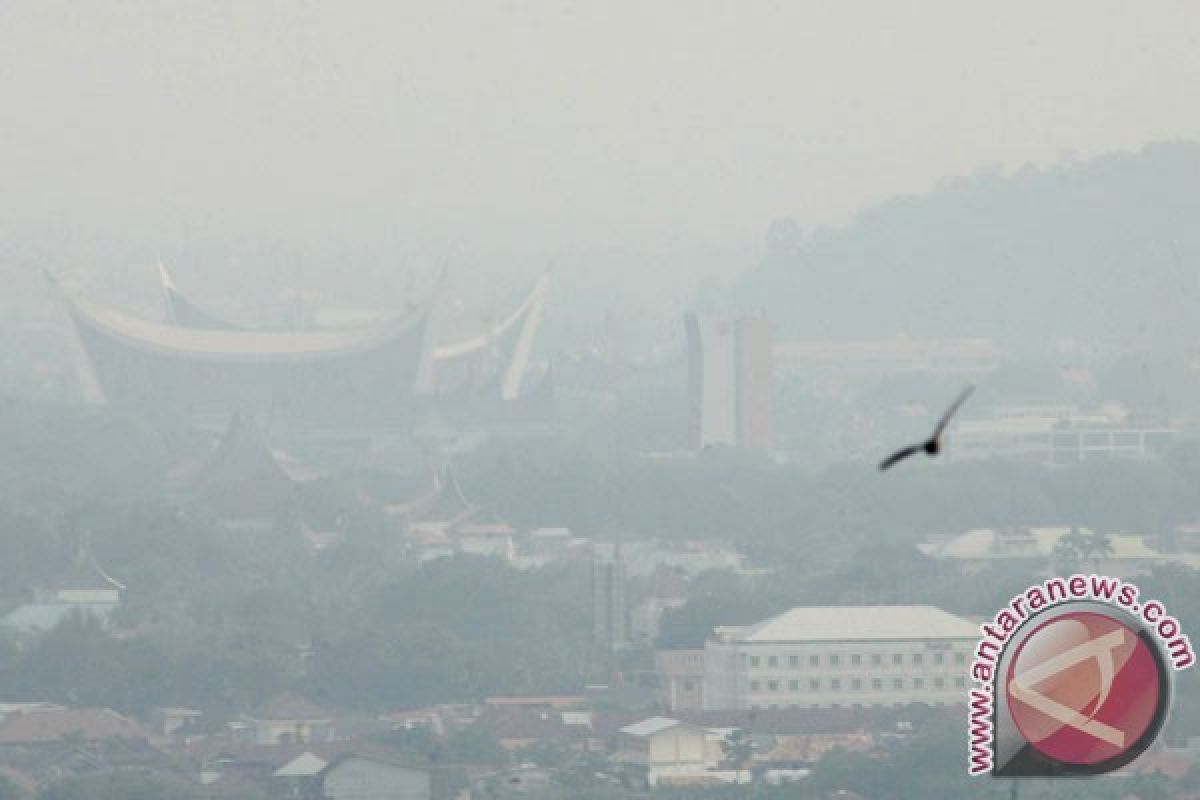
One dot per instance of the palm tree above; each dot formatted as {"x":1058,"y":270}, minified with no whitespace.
{"x":1097,"y":546}
{"x":738,"y":748}
{"x":1070,"y":551}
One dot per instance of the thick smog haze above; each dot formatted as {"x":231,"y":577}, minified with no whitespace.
{"x":551,"y":127}
{"x":599,"y":400}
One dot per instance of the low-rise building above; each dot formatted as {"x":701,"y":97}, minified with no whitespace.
{"x":86,"y":591}
{"x":1057,"y":436}
{"x":175,"y":721}
{"x":840,"y":657}
{"x":1126,"y":554}
{"x":288,"y":719}
{"x":663,"y":749}
{"x":355,"y":777}
{"x":50,"y":724}
{"x":439,"y":522}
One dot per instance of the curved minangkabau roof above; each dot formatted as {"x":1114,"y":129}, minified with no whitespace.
{"x":532,"y":304}
{"x":236,"y":345}
{"x":183,"y":312}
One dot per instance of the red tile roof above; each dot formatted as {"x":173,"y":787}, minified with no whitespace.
{"x":52,"y":726}
{"x":291,"y":707}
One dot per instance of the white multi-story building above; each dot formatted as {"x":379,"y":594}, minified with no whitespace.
{"x":840,"y":657}
{"x":1057,"y":435}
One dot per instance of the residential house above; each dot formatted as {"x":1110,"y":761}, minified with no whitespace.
{"x":355,"y":777}
{"x":664,"y":750}
{"x":86,"y":591}
{"x":49,"y":744}
{"x":174,"y":721}
{"x":288,"y":719}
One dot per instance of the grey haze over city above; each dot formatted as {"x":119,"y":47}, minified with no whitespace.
{"x":484,"y":400}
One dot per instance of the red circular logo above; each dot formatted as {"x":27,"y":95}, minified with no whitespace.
{"x":1084,"y":688}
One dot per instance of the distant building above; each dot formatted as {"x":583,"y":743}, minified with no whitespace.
{"x":381,"y":375}
{"x":543,"y":546}
{"x":416,"y":719}
{"x":1056,"y":435}
{"x":486,"y":534}
{"x":288,"y":719}
{"x":610,"y":619}
{"x":86,"y":591}
{"x":665,"y":750}
{"x":355,"y":777}
{"x":11,"y":710}
{"x":339,"y":770}
{"x":681,"y":679}
{"x":840,"y":657}
{"x":41,"y":726}
{"x":976,"y":549}
{"x":439,"y":521}
{"x":731,"y":384}
{"x":558,"y":702}
{"x":176,"y":721}
{"x":242,"y":480}
{"x":518,"y":727}
{"x":46,"y":744}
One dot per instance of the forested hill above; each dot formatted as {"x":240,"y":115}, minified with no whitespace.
{"x":1106,"y":251}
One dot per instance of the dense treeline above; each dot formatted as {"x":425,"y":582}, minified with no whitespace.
{"x":801,"y":515}
{"x":224,"y":618}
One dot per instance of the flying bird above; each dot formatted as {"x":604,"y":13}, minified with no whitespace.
{"x":933,"y":445}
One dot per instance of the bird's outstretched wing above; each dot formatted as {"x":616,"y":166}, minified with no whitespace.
{"x":962,"y":398}
{"x":900,"y":455}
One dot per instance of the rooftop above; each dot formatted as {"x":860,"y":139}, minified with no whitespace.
{"x":858,"y":623}
{"x":304,"y":765}
{"x":287,"y":706}
{"x":652,"y":725}
{"x":52,"y":725}
{"x":233,"y":345}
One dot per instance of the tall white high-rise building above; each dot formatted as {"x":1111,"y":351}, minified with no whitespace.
{"x":731,"y":382}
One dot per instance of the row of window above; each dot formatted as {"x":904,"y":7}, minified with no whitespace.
{"x":856,"y":660}
{"x":816,"y":706}
{"x":854,"y":684}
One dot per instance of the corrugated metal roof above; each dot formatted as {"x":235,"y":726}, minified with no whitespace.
{"x":304,"y":765}
{"x":651,"y":726}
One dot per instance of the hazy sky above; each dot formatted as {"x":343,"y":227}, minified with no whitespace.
{"x":565,"y":124}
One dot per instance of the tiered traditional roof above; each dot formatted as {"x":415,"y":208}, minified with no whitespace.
{"x":242,"y":477}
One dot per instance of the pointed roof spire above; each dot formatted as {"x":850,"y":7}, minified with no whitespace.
{"x":86,"y":572}
{"x":164,"y":277}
